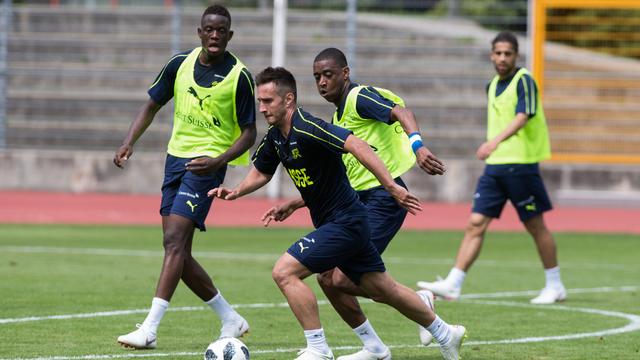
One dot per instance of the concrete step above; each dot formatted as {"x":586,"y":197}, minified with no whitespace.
{"x":154,"y":21}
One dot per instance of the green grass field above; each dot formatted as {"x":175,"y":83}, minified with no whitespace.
{"x":101,"y":280}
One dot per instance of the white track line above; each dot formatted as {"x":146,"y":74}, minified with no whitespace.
{"x":273,"y":257}
{"x":285,"y":305}
{"x":504,"y":294}
{"x":633,"y":325}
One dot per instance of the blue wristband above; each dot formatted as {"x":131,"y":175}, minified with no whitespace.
{"x":416,"y":141}
{"x":416,"y":145}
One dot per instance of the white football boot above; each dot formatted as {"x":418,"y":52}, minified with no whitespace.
{"x":451,"y":350}
{"x":441,"y":288}
{"x":235,"y":328}
{"x":365,"y":354}
{"x":138,"y":339}
{"x":310,"y":354}
{"x":550,"y":295}
{"x":425,"y":335}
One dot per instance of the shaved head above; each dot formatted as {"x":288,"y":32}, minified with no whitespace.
{"x":332,"y":54}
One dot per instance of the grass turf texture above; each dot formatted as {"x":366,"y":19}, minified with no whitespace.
{"x":57,"y":270}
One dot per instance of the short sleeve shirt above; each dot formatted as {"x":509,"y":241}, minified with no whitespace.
{"x":370,"y":105}
{"x":312,"y":157}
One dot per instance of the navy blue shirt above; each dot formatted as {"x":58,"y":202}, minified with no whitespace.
{"x":312,"y":156}
{"x":370,"y":105}
{"x":527,"y":100}
{"x":161,"y":91}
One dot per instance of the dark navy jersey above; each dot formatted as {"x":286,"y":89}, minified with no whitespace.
{"x":312,"y":156}
{"x":370,"y":105}
{"x":162,"y":89}
{"x":527,"y":100}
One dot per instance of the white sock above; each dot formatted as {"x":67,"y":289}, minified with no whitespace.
{"x":369,"y":338}
{"x":222,"y":307}
{"x":317,"y":341}
{"x":456,"y":277}
{"x":158,"y":307}
{"x":440,"y":330}
{"x":553,"y":277}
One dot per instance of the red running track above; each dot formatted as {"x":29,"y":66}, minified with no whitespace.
{"x":26,"y":207}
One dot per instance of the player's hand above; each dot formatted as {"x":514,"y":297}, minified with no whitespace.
{"x":223,"y":193}
{"x":278,"y":213}
{"x":122,"y":155}
{"x":429,"y":162}
{"x":485,"y":150}
{"x":204,"y":165}
{"x":406,"y":199}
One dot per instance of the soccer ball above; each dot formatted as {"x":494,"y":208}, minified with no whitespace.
{"x":227,"y":349}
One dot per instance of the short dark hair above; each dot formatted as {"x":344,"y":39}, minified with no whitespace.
{"x":332,"y":54}
{"x":506,"y":36}
{"x":217,"y":10}
{"x":284,"y":80}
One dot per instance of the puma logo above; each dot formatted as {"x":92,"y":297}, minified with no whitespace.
{"x":193,"y":92}
{"x":192,"y":206}
{"x":302,"y":247}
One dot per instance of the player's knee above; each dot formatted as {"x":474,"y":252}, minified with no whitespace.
{"x":342,"y":282}
{"x":172,"y":244}
{"x":325,"y":279}
{"x":477,"y":224}
{"x":280,"y":275}
{"x":379,"y":293}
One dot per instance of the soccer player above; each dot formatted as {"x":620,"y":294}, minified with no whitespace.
{"x":311,"y":151}
{"x":214,"y":125}
{"x":517,"y":139}
{"x":378,"y":117}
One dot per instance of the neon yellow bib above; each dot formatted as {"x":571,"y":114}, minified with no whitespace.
{"x":531,"y":143}
{"x":389,"y":141}
{"x":205,"y":121}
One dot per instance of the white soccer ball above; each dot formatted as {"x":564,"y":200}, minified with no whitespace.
{"x":227,"y":349}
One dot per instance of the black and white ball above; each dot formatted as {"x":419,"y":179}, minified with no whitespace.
{"x":227,"y":349}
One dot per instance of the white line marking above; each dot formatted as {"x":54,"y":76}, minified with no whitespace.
{"x":133,"y":252}
{"x":273,"y":257}
{"x":285,"y":305}
{"x":604,"y":289}
{"x":633,"y":325}
{"x":138,"y":311}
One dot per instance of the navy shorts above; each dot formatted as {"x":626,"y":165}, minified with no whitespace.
{"x":519,"y":183}
{"x":385,"y":214}
{"x":185,"y":193}
{"x":342,"y":242}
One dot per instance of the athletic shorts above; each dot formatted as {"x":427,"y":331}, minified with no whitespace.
{"x":185,"y":194}
{"x":342,"y":242}
{"x":519,"y":183}
{"x":385,"y":214}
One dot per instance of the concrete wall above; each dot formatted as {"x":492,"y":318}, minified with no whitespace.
{"x":93,"y":171}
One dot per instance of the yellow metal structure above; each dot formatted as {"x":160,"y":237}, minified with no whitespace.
{"x":586,"y":61}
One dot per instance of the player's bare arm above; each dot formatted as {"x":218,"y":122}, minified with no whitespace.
{"x":424,"y":157}
{"x":208,"y":165}
{"x":282,"y":211}
{"x":488,"y":147}
{"x":143,"y":119}
{"x":362,"y":151}
{"x":252,"y":182}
